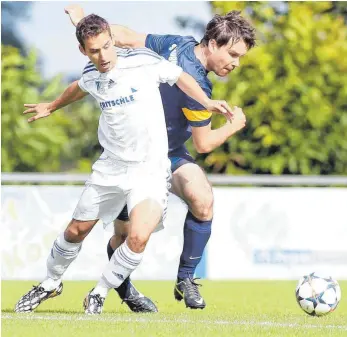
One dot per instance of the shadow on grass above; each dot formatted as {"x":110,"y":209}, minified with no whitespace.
{"x":37,"y":312}
{"x":79,"y":312}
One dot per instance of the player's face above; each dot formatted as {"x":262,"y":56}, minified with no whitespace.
{"x":100,"y":51}
{"x":222,"y":60}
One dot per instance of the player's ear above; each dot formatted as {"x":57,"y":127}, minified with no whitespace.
{"x":82,"y":50}
{"x":212,"y":45}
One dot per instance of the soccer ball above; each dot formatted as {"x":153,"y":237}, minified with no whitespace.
{"x":317,"y":295}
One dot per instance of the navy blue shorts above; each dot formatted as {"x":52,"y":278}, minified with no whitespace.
{"x":178,"y":158}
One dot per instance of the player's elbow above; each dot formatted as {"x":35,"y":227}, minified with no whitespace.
{"x":202,"y":148}
{"x":122,"y":41}
{"x":129,"y":39}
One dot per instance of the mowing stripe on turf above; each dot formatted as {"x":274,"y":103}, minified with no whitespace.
{"x":64,"y":317}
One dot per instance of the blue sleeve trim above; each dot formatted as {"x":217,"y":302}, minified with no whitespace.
{"x":89,"y":70}
{"x":200,"y":123}
{"x":148,"y":41}
{"x":140,"y":52}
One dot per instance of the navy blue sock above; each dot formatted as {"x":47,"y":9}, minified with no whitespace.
{"x":196,"y":236}
{"x":123,"y":289}
{"x":110,"y":250}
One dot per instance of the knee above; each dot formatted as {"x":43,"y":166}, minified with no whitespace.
{"x":75,"y":232}
{"x":202,"y":206}
{"x":137,"y":242}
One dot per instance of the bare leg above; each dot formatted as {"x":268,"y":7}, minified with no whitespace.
{"x":64,"y":251}
{"x":190,"y":183}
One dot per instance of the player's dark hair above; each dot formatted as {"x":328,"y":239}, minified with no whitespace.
{"x":232,"y":26}
{"x":89,"y":26}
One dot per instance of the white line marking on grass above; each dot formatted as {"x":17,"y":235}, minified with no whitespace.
{"x":64,"y":317}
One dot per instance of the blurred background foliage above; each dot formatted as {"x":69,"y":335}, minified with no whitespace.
{"x":292,"y":87}
{"x":66,"y":141}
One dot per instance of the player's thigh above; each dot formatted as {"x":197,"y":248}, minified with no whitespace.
{"x":190,"y":183}
{"x":147,"y":204}
{"x":145,"y":217}
{"x":100,"y":202}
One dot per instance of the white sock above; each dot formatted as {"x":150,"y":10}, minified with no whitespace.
{"x":59,"y":259}
{"x":50,"y":284}
{"x":122,"y":263}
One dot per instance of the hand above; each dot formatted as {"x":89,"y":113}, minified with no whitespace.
{"x":220,"y":107}
{"x":41,"y":110}
{"x":75,"y":12}
{"x":238,"y":121}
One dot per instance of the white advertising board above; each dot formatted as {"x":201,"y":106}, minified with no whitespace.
{"x":257,"y":233}
{"x":278,"y":233}
{"x":32,"y":217}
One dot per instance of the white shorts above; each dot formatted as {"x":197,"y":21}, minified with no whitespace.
{"x":112,"y":185}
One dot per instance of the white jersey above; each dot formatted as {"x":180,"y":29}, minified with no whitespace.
{"x":132,"y":124}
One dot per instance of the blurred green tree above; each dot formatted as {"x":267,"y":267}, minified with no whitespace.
{"x":64,"y":141}
{"x":293,"y":89}
{"x":337,"y":7}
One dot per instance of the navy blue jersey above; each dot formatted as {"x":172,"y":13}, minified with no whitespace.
{"x":181,"y":111}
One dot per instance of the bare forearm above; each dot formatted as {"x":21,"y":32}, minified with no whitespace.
{"x":125,"y":37}
{"x":190,"y":87}
{"x":71,"y":94}
{"x":215,"y":138}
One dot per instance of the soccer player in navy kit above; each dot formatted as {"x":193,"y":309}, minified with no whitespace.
{"x":227,"y":38}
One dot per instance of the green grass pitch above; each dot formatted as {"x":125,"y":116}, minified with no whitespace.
{"x":234,"y":308}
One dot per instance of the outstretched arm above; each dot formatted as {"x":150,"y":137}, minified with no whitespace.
{"x":123,"y":37}
{"x":167,"y":72}
{"x":190,"y":87}
{"x":206,"y":140}
{"x":71,"y":94}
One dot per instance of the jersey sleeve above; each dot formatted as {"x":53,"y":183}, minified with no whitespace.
{"x":167,"y":72}
{"x":82,"y":85}
{"x":88,"y":71}
{"x":196,"y":114}
{"x":158,"y":43}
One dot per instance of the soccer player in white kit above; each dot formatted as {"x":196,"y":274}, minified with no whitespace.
{"x":133,"y":169}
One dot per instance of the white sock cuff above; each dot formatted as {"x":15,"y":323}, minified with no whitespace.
{"x":130,"y":253}
{"x":68,"y":250}
{"x":71,"y":246}
{"x":126,"y":257}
